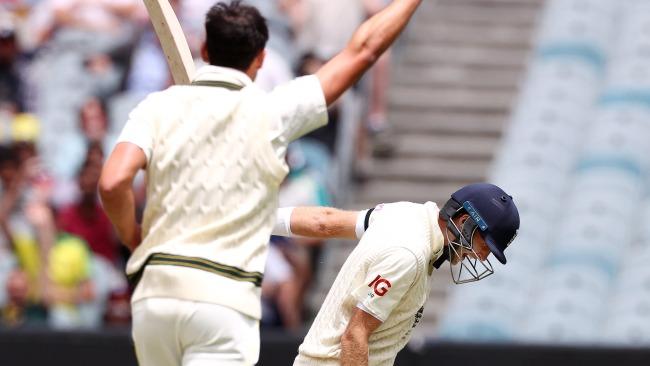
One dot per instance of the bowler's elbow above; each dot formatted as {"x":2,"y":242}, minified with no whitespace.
{"x":364,"y":54}
{"x":366,"y":48}
{"x":111,"y":185}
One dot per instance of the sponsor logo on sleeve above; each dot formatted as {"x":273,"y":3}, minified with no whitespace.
{"x":380,"y":285}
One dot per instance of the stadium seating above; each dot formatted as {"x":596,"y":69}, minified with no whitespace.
{"x":575,"y":160}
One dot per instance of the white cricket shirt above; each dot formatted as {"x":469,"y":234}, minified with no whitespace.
{"x":215,"y":155}
{"x":386,"y":275}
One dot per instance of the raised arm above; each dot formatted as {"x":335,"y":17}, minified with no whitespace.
{"x":116,"y":191}
{"x":368,"y":43}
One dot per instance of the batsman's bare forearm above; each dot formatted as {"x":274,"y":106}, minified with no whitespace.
{"x":354,"y":348}
{"x":323,"y":222}
{"x":368,"y":43}
{"x":355,"y":339}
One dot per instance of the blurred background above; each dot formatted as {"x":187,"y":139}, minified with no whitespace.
{"x":548,"y":98}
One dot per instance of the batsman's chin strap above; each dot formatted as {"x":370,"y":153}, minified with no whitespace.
{"x":435,"y":264}
{"x":442,"y":259}
{"x":451,"y":210}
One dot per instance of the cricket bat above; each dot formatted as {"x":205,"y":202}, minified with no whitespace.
{"x":172,"y":40}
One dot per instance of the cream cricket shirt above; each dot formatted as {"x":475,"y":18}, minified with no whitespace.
{"x":386,"y":275}
{"x":215,"y":153}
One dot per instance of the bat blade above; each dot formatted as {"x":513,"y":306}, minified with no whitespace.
{"x":172,"y":40}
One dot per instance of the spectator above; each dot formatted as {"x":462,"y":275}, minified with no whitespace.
{"x":89,"y":142}
{"x":280,"y":29}
{"x":26,"y":222}
{"x":93,"y":120}
{"x":79,"y":285}
{"x":32,"y":232}
{"x":95,"y":26}
{"x":25,"y":131}
{"x":94,"y":154}
{"x":9,"y":182}
{"x":377,"y":121}
{"x":148,"y":72}
{"x":278,"y":290}
{"x":86,"y":218}
{"x":12,"y":63}
{"x":49,"y":280}
{"x":21,"y":308}
{"x":327,"y":135}
{"x":71,"y":294}
{"x":324,"y":26}
{"x":191,"y":15}
{"x":22,"y":187}
{"x":88,"y":50}
{"x":321,"y":27}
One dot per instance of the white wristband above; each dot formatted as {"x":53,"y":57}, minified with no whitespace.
{"x":360,"y":226}
{"x":283,"y":222}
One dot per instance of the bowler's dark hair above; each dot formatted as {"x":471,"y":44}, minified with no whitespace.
{"x":235,"y":35}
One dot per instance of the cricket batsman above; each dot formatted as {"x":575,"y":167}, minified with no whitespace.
{"x":379,"y":294}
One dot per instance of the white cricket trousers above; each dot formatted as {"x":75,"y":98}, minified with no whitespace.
{"x":173,"y":332}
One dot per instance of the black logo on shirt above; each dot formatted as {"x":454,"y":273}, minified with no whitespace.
{"x":418,"y":317}
{"x":416,"y":321}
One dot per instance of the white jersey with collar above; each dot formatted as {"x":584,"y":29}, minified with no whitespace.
{"x":386,"y":275}
{"x":215,"y":160}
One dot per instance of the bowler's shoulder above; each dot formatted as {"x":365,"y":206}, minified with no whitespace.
{"x":154,"y":98}
{"x":307,"y":84}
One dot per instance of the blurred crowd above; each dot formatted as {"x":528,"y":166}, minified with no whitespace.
{"x":70,"y":72}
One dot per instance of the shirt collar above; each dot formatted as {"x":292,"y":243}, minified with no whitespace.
{"x":226,"y":74}
{"x":437,"y":238}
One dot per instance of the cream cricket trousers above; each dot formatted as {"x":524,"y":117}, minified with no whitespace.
{"x":173,"y":332}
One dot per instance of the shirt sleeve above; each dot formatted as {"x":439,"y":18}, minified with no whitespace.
{"x":388,"y":279}
{"x":298,"y":107}
{"x":139,"y":129}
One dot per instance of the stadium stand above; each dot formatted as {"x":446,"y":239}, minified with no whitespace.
{"x":575,"y":159}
